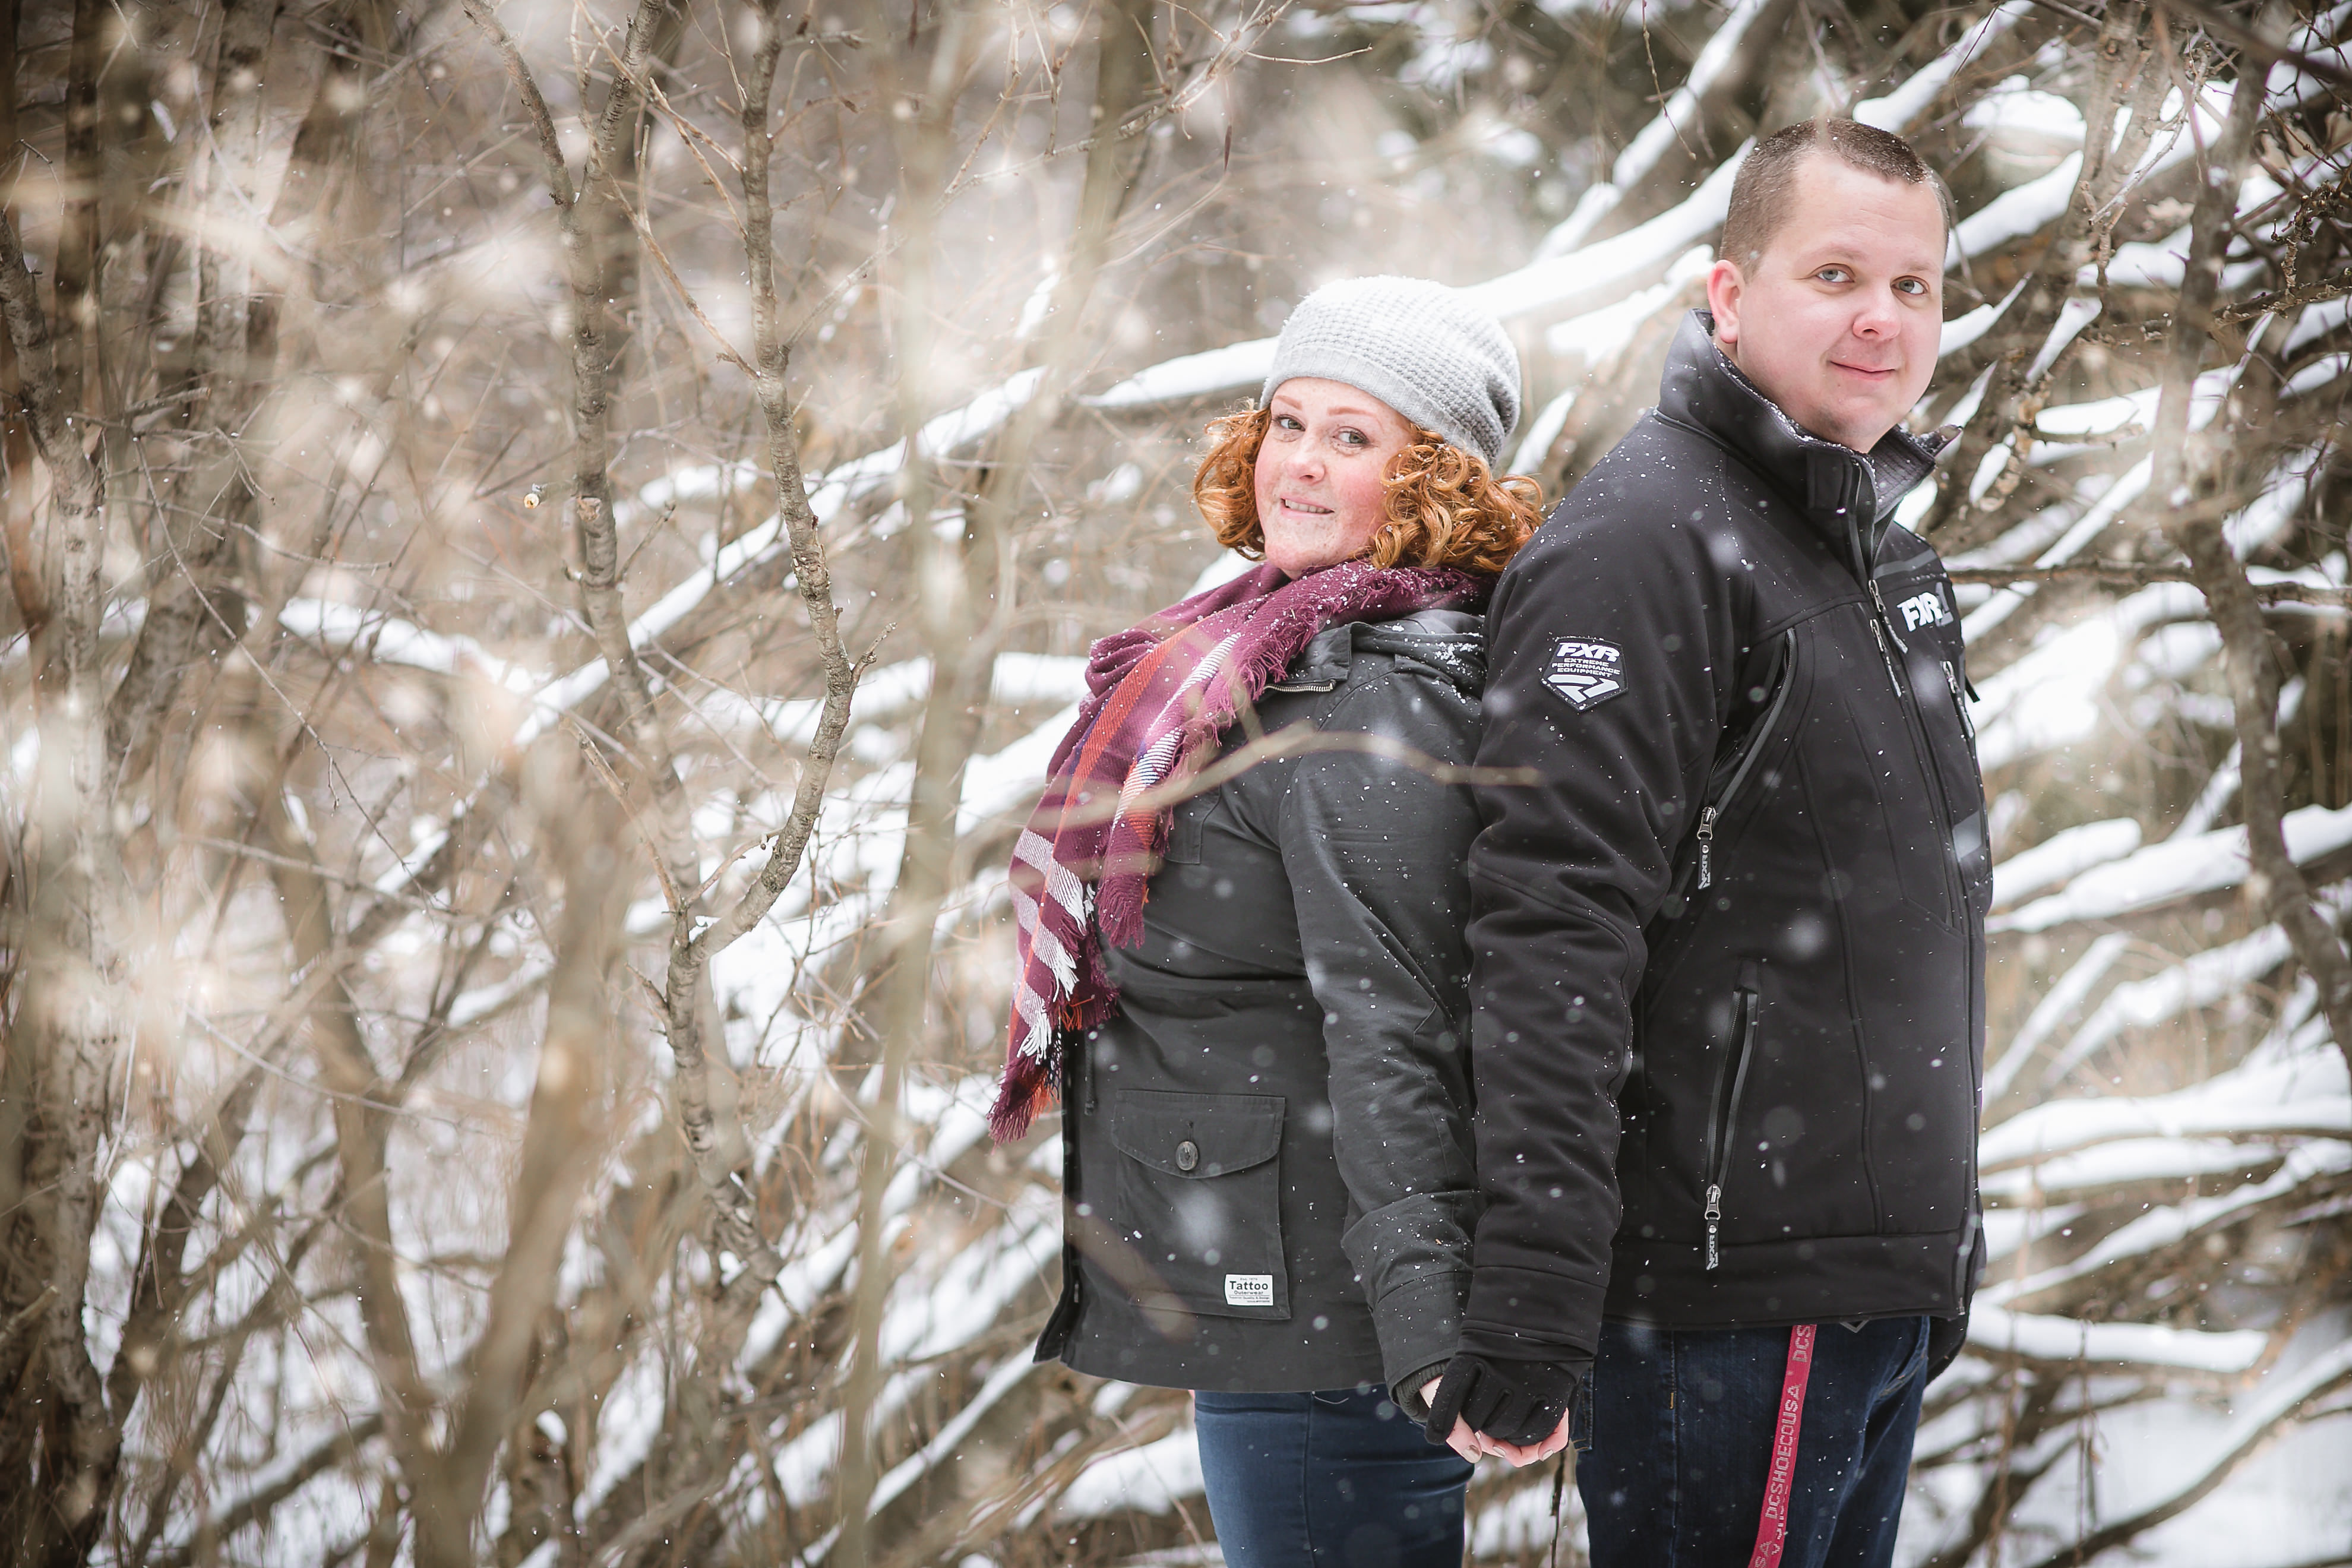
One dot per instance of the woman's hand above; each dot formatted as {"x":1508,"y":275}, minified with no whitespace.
{"x":1470,"y":1445}
{"x":1520,"y":1456}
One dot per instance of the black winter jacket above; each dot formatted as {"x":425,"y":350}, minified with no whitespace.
{"x":1728,"y":958}
{"x":1269,"y":1181}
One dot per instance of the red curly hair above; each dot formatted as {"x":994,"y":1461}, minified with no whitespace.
{"x":1445,"y":506}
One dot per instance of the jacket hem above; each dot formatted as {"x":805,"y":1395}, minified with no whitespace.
{"x":1834,"y":1279}
{"x":1239,"y":1374}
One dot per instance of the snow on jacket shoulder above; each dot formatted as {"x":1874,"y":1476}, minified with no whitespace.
{"x":1267,"y":1173}
{"x":1728,"y":956}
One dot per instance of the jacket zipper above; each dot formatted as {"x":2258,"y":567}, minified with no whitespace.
{"x":1848,"y":498}
{"x":1959,"y":700}
{"x":1731,"y":1083}
{"x":1751,"y":749}
{"x":1881,"y":628}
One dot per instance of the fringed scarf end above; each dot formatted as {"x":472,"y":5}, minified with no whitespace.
{"x":1017,"y":1105}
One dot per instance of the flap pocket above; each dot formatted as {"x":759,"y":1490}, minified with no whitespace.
{"x":1200,"y":1195}
{"x":1196,"y":1136}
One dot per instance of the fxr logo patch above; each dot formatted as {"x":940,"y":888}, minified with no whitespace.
{"x":1586,"y":671}
{"x":1927,"y":609}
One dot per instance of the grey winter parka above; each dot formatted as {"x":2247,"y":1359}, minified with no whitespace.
{"x":1267,"y":1165}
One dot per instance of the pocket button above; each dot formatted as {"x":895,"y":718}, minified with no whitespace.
{"x":1188,"y":1154}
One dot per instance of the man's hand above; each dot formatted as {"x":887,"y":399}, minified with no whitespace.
{"x":1517,"y":1411}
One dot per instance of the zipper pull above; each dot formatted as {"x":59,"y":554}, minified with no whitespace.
{"x":1952,"y":680}
{"x":1879,"y":634}
{"x":1883,"y":628}
{"x":1706,"y":846}
{"x":1714,"y":1217}
{"x":1879,"y":599}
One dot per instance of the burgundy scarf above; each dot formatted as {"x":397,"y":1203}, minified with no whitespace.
{"x":1162,"y":695}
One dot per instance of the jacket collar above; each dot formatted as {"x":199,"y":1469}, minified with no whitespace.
{"x":1450,"y":642}
{"x":1849,"y":497}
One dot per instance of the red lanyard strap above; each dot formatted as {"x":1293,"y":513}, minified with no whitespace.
{"x":1773,"y":1527}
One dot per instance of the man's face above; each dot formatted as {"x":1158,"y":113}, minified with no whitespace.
{"x":1838,"y":320}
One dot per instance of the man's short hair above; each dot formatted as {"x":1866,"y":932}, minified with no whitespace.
{"x":1765,"y":187}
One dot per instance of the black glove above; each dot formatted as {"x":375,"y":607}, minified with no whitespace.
{"x":1515,"y":1402}
{"x":1945,"y":1338}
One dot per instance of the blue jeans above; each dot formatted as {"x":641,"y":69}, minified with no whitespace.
{"x":1682,"y":1438}
{"x":1340,"y":1480}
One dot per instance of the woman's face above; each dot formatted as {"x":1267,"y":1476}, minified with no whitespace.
{"x":1321,"y":496}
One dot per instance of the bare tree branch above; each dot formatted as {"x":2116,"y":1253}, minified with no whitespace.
{"x":69,"y":927}
{"x":2277,"y":1410}
{"x":2230,"y":30}
{"x":2126,"y":91}
{"x":76,"y":264}
{"x":254,"y":1508}
{"x":2276,"y":885}
{"x":560,"y":1145}
{"x":690,"y":952}
{"x":593,"y":524}
{"x":2129,"y":574}
{"x":963,"y":644}
{"x":2318,"y":291}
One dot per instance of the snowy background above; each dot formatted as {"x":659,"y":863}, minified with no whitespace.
{"x":349,"y":856}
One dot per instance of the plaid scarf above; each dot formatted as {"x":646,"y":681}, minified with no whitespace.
{"x":1162,"y":695}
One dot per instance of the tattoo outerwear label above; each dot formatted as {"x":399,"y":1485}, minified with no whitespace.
{"x":1586,"y":671}
{"x":1249,"y":1289}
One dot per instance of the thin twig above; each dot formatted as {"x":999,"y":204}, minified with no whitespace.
{"x":2223,"y":26}
{"x":2316,"y":291}
{"x":2128,"y":575}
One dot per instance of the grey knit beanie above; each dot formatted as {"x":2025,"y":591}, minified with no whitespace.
{"x":1417,"y":346}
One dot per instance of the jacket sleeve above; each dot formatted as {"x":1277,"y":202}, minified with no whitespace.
{"x":1375,"y":850}
{"x":1610,"y":654}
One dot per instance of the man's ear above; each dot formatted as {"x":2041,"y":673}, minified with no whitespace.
{"x":1725,"y":289}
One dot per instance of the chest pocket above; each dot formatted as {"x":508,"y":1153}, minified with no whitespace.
{"x":1189,"y":822}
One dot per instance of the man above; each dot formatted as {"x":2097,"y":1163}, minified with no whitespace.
{"x":1728,"y":955}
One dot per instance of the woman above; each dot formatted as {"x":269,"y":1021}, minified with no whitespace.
{"x":1250,"y":997}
